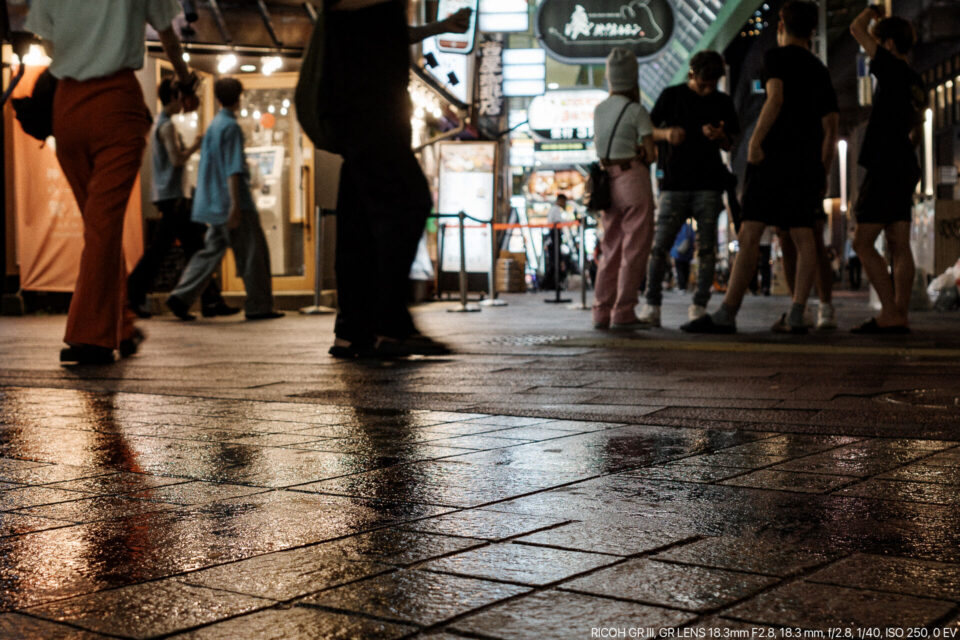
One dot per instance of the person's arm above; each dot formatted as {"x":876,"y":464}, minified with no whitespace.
{"x":717,"y":134}
{"x":860,"y":28}
{"x":671,"y":135}
{"x":171,"y":47}
{"x":458,"y":22}
{"x":175,"y":150}
{"x":831,"y":131}
{"x":768,"y":115}
{"x":649,"y":148}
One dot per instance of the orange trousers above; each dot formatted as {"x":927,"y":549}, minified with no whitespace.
{"x":101,"y":126}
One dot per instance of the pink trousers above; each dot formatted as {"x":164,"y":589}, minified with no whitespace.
{"x":626,"y":243}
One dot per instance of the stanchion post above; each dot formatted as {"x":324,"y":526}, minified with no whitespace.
{"x":556,"y":267}
{"x":464,"y":307}
{"x":492,"y":300}
{"x":582,"y":254}
{"x":317,"y":309}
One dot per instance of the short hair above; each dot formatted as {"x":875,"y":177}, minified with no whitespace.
{"x":227,"y":91}
{"x":899,"y":30}
{"x":562,"y":195}
{"x":167,"y":91}
{"x":707,"y":65}
{"x":800,"y":17}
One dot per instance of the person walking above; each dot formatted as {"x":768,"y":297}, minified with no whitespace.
{"x":693,"y":123}
{"x":623,"y":126}
{"x":100,"y":123}
{"x":791,"y":149}
{"x":169,"y":155}
{"x":885,"y":202}
{"x":224,"y":202}
{"x":362,"y":112}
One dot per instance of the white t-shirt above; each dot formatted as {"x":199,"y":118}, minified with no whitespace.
{"x":634,"y":124}
{"x":97,"y":38}
{"x":556,"y":214}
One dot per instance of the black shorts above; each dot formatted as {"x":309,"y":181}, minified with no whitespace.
{"x":886,"y":197}
{"x":781,"y":195}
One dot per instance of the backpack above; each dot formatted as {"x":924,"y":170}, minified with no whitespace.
{"x":35,"y":113}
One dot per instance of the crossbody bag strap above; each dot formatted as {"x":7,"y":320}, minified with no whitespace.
{"x":614,"y":132}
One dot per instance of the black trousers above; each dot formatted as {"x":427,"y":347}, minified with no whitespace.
{"x":175,"y":224}
{"x":382,"y":207}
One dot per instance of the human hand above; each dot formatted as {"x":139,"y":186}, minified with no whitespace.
{"x":878,"y":9}
{"x":676,"y":135}
{"x":188,"y":92}
{"x":458,"y":22}
{"x":234,"y":220}
{"x":755,"y":153}
{"x":711,"y":132}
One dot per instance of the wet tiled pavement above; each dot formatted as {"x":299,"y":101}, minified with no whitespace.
{"x":547,"y":481}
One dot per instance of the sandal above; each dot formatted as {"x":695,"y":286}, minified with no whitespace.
{"x":871,"y":327}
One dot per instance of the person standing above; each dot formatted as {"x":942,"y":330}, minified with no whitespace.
{"x":363,"y":114}
{"x":682,"y":254}
{"x":885,"y":202}
{"x":224,"y":202}
{"x":100,"y":123}
{"x":791,"y":149}
{"x":623,"y":126}
{"x":826,"y":313}
{"x":168,"y":159}
{"x":853,"y":263}
{"x":693,"y":123}
{"x":552,"y":241}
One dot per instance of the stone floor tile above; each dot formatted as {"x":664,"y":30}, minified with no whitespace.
{"x":687,"y":473}
{"x":116,"y":483}
{"x":482,"y":441}
{"x":400,"y":547}
{"x":96,"y":509}
{"x":23,"y":497}
{"x":604,"y":537}
{"x":420,"y":597}
{"x":299,"y":623}
{"x":285,"y":575}
{"x":16,"y":626}
{"x":670,"y":585}
{"x":14,"y":524}
{"x":559,"y":615}
{"x":818,"y":606}
{"x":482,"y":524}
{"x":521,"y":563}
{"x":769,"y":556}
{"x":906,"y":491}
{"x":720,"y":627}
{"x":509,"y":421}
{"x":789,"y":481}
{"x":897,"y":575}
{"x":859,"y":459}
{"x":191,"y":493}
{"x":735,"y":460}
{"x":923,"y":471}
{"x":149,"y":609}
{"x":950,"y":458}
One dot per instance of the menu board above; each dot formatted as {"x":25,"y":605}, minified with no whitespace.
{"x":467,"y":183}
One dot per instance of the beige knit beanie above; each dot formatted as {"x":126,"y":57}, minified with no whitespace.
{"x":622,"y":70}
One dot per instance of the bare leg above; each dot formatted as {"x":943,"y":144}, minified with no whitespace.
{"x":789,"y":251}
{"x":745,"y":263}
{"x":824,"y":270}
{"x":876,"y":268}
{"x":806,"y":263}
{"x":898,"y":239}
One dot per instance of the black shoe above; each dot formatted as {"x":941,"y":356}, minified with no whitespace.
{"x":132,"y":344}
{"x":351,"y":351}
{"x":141,"y":310}
{"x":180,"y":308}
{"x":705,"y":324}
{"x":221,"y":308}
{"x":87,"y":354}
{"x":415,"y":345}
{"x":269,"y":315}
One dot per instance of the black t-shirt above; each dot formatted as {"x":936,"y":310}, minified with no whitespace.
{"x":694,"y":164}
{"x":796,"y":138}
{"x":897,"y":109}
{"x":366,"y":62}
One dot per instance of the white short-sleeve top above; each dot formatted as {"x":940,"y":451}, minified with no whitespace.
{"x":97,"y":38}
{"x":634,"y":125}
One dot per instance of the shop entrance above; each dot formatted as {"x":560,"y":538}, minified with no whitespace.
{"x":280,"y":159}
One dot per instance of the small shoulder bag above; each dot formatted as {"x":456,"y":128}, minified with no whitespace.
{"x":597,"y":196}
{"x":35,"y":113}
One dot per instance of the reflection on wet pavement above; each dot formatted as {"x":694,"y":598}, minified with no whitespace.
{"x":139,"y":515}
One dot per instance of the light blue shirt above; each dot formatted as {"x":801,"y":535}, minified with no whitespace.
{"x":221,"y":156}
{"x":97,"y":38}
{"x":167,"y":178}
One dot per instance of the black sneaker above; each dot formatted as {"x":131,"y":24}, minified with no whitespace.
{"x":415,"y":345}
{"x":269,"y":315}
{"x":87,"y":354}
{"x":180,"y":308}
{"x":131,"y":345}
{"x":141,"y":310}
{"x":219,"y":309}
{"x":705,"y":324}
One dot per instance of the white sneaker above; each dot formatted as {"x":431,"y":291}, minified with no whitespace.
{"x":808,"y":317}
{"x":650,"y":315}
{"x":826,"y":317}
{"x":695,"y":311}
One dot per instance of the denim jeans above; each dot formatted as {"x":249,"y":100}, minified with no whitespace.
{"x":675,"y":208}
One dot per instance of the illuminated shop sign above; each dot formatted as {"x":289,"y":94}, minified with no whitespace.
{"x":457,"y":42}
{"x":563,"y":153}
{"x":490,"y":76}
{"x":585,"y":31}
{"x":564,"y":115}
{"x":502,"y":16}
